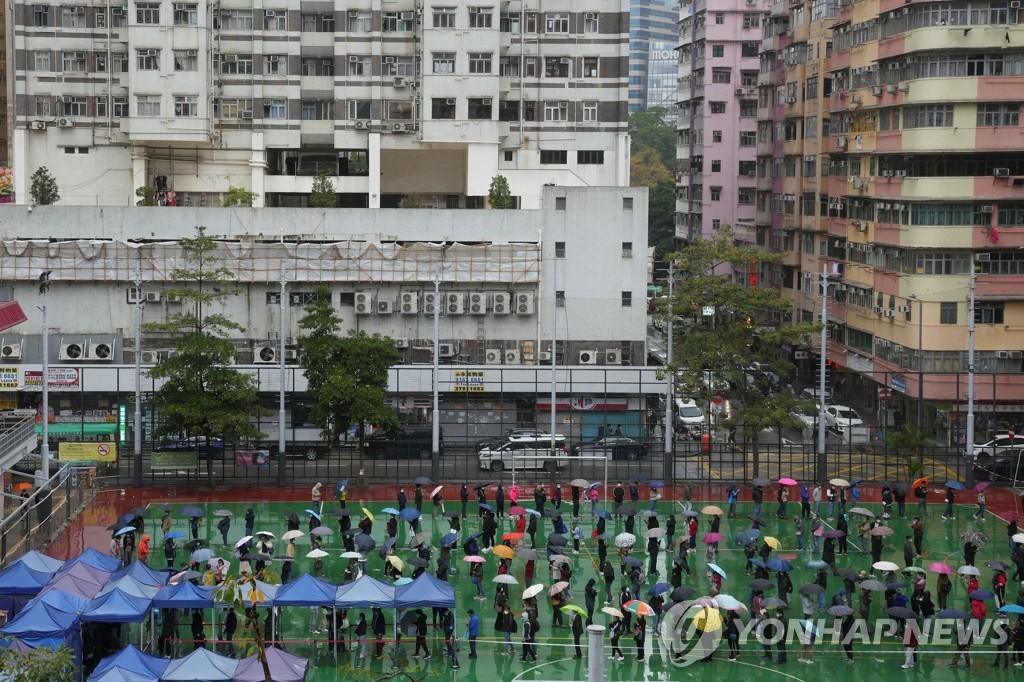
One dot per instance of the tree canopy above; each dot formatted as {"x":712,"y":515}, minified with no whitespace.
{"x":649,"y":130}
{"x":499,"y":195}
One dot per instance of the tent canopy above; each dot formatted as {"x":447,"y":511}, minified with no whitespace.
{"x":78,"y":586}
{"x":91,"y":557}
{"x":18,"y":578}
{"x":130,"y":585}
{"x":40,"y":620}
{"x":284,"y":667}
{"x":307,"y":590}
{"x":38,"y":561}
{"x":202,"y":665}
{"x":363,"y":593}
{"x":134,"y":660}
{"x":425,"y":591}
{"x":68,"y":603}
{"x":269,"y":593}
{"x":119,"y":674}
{"x":184,"y":595}
{"x":143,"y":573}
{"x":117,"y":607}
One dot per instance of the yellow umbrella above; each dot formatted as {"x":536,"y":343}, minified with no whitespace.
{"x":368,"y":515}
{"x":712,"y":510}
{"x":772,"y":542}
{"x":396,"y":562}
{"x":708,"y":619}
{"x":504,"y":552}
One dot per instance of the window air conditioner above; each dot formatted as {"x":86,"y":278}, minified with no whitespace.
{"x":901,"y":174}
{"x":153,"y":297}
{"x":446,"y":350}
{"x":987,"y":208}
{"x":149,"y":357}
{"x":264,"y":355}
{"x":588,"y":357}
{"x":877,"y":90}
{"x":903,"y":309}
{"x":450,"y":101}
{"x":1001,"y":172}
{"x":1016,"y":355}
{"x":887,"y":174}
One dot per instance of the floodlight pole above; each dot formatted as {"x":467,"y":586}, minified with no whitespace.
{"x":137,"y":415}
{"x":435,"y":421}
{"x":668,"y":466}
{"x":282,"y":330}
{"x":969,"y":445}
{"x":822,"y":458}
{"x":44,"y":449}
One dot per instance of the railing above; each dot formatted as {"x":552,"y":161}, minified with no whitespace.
{"x":16,"y":432}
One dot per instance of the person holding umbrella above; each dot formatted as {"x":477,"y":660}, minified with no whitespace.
{"x":948,"y":514}
{"x":499,"y":501}
{"x":224,"y":525}
{"x":757,"y":495}
{"x":193,"y":526}
{"x":577,"y":631}
{"x":170,"y":550}
{"x":476,"y":573}
{"x":438,"y":501}
{"x":640,"y":636}
{"x":418,"y":497}
{"x":481,"y":498}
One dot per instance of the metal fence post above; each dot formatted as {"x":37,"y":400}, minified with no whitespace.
{"x":595,"y":653}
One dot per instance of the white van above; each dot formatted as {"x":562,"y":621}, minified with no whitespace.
{"x":689,"y":416}
{"x":525,"y":452}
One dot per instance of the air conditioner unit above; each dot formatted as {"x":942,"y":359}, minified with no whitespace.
{"x":791,"y":100}
{"x":135,"y":295}
{"x":65,"y":122}
{"x":447,"y":350}
{"x":172,"y":298}
{"x":858,"y":183}
{"x":877,"y":90}
{"x":897,"y":348}
{"x":501,"y":304}
{"x":1016,"y":355}
{"x":1014,"y":4}
{"x":878,"y":310}
{"x":455,"y":303}
{"x":450,"y":101}
{"x":862,"y":226}
{"x":752,"y":174}
{"x":545,"y":356}
{"x":264,"y":355}
{"x":291,"y":355}
{"x":10,"y":351}
{"x":401,"y":343}
{"x":38,"y":125}
{"x":887,"y":174}
{"x":890,"y":88}
{"x":410,"y":303}
{"x":478,"y":303}
{"x":1001,"y":172}
{"x":588,"y":357}
{"x":883,"y":343}
{"x":364,"y":303}
{"x":361,"y":125}
{"x":385,"y":307}
{"x":149,"y":357}
{"x":101,"y":350}
{"x":512,"y":357}
{"x":901,"y":174}
{"x":269,"y":13}
{"x":71,"y":351}
{"x":117,"y":11}
{"x":903,"y":309}
{"x":397,"y":127}
{"x":801,"y":355}
{"x":855,"y":99}
{"x":841,"y":141}
{"x":524,"y":303}
{"x":410,"y":127}
{"x":492,"y":356}
{"x":613,"y":357}
{"x":889,"y":313}
{"x":987,"y":208}
{"x":903,"y":87}
{"x":153,"y":297}
{"x":400,"y":83}
{"x":429,"y":302}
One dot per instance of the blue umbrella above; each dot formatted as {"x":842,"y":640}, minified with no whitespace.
{"x":409,"y":514}
{"x":125,"y":530}
{"x":816,"y":564}
{"x":341,"y":486}
{"x":450,"y":540}
{"x":955,"y":485}
{"x":313,"y":513}
{"x":689,"y":513}
{"x":201,"y":555}
{"x":192,"y":511}
{"x":639,"y":478}
{"x":659,"y":588}
{"x":403,"y":581}
{"x":656,"y":484}
{"x":474,"y":536}
{"x":758,"y":563}
{"x":125,"y":519}
{"x":175,"y":534}
{"x":953,"y":614}
{"x":748,"y":536}
{"x":779,"y":565}
{"x":534,"y":512}
{"x":717,"y":569}
{"x":593,"y":485}
{"x":982,"y":594}
{"x":364,"y":543}
{"x":486,"y":506}
{"x":390,"y":510}
{"x":1011,"y":608}
{"x":602,"y":513}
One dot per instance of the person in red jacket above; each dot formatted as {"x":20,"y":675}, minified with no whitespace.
{"x":978,"y":609}
{"x":999,"y":587}
{"x":144,"y":550}
{"x":910,"y":642}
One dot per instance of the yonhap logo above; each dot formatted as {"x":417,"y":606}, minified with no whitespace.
{"x":692,"y":631}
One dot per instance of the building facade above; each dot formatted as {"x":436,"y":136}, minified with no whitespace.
{"x":717,"y":124}
{"x":889,"y":152}
{"x":653,"y":38}
{"x":402,"y":104}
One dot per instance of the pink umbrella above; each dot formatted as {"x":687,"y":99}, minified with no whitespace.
{"x":819,"y":532}
{"x":474,"y":559}
{"x":981,"y":486}
{"x":787,"y":481}
{"x":939,"y":567}
{"x":712,"y":538}
{"x":517,"y":510}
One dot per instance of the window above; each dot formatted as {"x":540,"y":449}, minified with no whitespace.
{"x":749,"y":49}
{"x":627,"y":299}
{"x":480,"y":108}
{"x":556,"y":111}
{"x":556,"y":67}
{"x":748,"y":138}
{"x":277,"y":65}
{"x":751,"y":20}
{"x":359,"y":109}
{"x":1002,"y":114}
{"x":716,"y":135}
{"x":627,"y":249}
{"x":989,"y":312}
{"x":42,"y":105}
{"x":317,"y":110}
{"x":721,"y":75}
{"x":398,"y":110}
{"x":745,"y":196}
{"x":481,"y":17}
{"x":560,"y":206}
{"x":718,"y":51}
{"x":627,"y":203}
{"x":716,"y":166}
{"x":947,"y":313}
{"x":147,"y":105}
{"x":398,"y":22}
{"x":590,"y":157}
{"x":590,"y":67}
{"x":508,"y":110}
{"x":560,"y":294}
{"x":530,"y":67}
{"x":75,"y":105}
{"x":717,"y":107}
{"x":73,"y":17}
{"x":556,"y":22}
{"x":589,"y":111}
{"x":275,"y":20}
{"x":928,"y":116}
{"x":553,"y":156}
{"x":442,"y":108}
{"x":716,"y":194}
{"x":509,"y":156}
{"x":120,"y":61}
{"x":101,"y":62}
{"x":530,"y":24}
{"x":232,"y":108}
{"x":41,"y":60}
{"x":560,"y":246}
{"x":40,"y":15}
{"x":236,"y":64}
{"x":186,"y":14}
{"x":480,"y":62}
{"x":275,"y":108}
{"x":186,"y":60}
{"x":529,"y":110}
{"x":186,"y":106}
{"x":444,"y":62}
{"x":324,"y":23}
{"x":120,"y":107}
{"x":147,"y":13}
{"x":590,"y":24}
{"x":400,"y":66}
{"x":444,"y":17}
{"x":74,"y":60}
{"x":236,"y":19}
{"x":317,"y":66}
{"x":148,"y":59}
{"x":748,"y":108}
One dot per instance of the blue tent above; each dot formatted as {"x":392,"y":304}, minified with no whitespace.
{"x":68,"y":603}
{"x":143,"y":573}
{"x":425,"y":591}
{"x":269,"y":593}
{"x":284,"y":667}
{"x":38,"y":561}
{"x":306,"y":591}
{"x":134,"y":660}
{"x":130,"y":585}
{"x":79,"y":585}
{"x":91,"y":557}
{"x":364,"y":593}
{"x":184,"y":596}
{"x":117,"y":607}
{"x":40,"y":620}
{"x":119,"y":674}
{"x":18,"y":578}
{"x":202,"y":665}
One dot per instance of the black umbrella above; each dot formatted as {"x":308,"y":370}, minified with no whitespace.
{"x":679,"y":561}
{"x":423,"y":480}
{"x":760,"y":585}
{"x":342,"y":512}
{"x":996,"y":565}
{"x":811,"y":590}
{"x":840,"y":611}
{"x":138,"y":511}
{"x":902,"y":488}
{"x":115,"y":526}
{"x":756,"y":519}
{"x":847,"y":573}
{"x":774,"y":603}
{"x":408,"y":623}
{"x":761,"y":481}
{"x":897,"y":586}
{"x":833,"y":534}
{"x":291,"y":516}
{"x":364,"y":543}
{"x":482,"y":485}
{"x":350,"y":531}
{"x":633,"y":561}
{"x":552,"y":513}
{"x":682,"y":593}
{"x":901,"y":612}
{"x":625,"y":510}
{"x":556,"y":540}
{"x":193,"y":545}
{"x":256,"y":556}
{"x":417,"y":561}
{"x":451,"y":514}
{"x":648,"y":513}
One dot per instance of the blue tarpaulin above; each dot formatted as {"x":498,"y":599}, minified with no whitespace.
{"x":269,"y":593}
{"x":133,"y":660}
{"x":119,"y":674}
{"x":38,"y":561}
{"x":202,"y":665}
{"x":130,"y":585}
{"x":307,"y":590}
{"x":425,"y":591}
{"x":18,"y":578}
{"x":184,"y":596}
{"x":117,"y":607}
{"x":284,"y":667}
{"x":143,"y":573}
{"x":364,"y":593}
{"x":91,"y":557}
{"x":40,"y":620}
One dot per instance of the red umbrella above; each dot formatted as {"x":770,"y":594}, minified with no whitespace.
{"x":22,"y":486}
{"x":516,"y":510}
{"x":512,"y":536}
{"x":713,"y":537}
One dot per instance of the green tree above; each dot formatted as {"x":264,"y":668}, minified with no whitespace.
{"x":234,"y":592}
{"x":323,"y":195}
{"x":649,"y":130}
{"x":499,"y":195}
{"x":146,"y":195}
{"x":347,"y":375}
{"x":44,"y":188}
{"x":38,"y":665}
{"x":661,"y":218}
{"x":200,"y":393}
{"x":908,"y":446}
{"x":239,"y":196}
{"x":646,"y":169}
{"x":747,"y":324}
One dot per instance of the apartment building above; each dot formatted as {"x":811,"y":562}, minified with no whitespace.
{"x":889,"y":152}
{"x":717,"y":118}
{"x":403,"y":103}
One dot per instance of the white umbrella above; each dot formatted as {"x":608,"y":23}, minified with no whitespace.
{"x":504,"y":579}
{"x":625,"y":540}
{"x":841,"y":482}
{"x":885,"y":566}
{"x":968,"y":570}
{"x":266,"y":532}
{"x":316,"y":554}
{"x":436,"y":491}
{"x":1018,"y":538}
{"x":292,"y":535}
{"x":655,"y":533}
{"x":533,"y":591}
{"x":350,"y":555}
{"x":244,"y":540}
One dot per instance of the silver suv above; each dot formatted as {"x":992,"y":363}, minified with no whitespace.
{"x":525,"y":452}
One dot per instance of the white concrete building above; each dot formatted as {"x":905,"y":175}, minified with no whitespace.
{"x":404,"y":103}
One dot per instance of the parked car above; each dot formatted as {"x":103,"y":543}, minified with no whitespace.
{"x":808,"y":415}
{"x":813,"y":394}
{"x":1008,"y":465}
{"x":994,"y":446}
{"x":525,"y":452}
{"x":413,"y":442}
{"x":196,"y":443}
{"x":841,"y":417}
{"x":614,"y":447}
{"x":690,"y":418}
{"x":509,"y":435}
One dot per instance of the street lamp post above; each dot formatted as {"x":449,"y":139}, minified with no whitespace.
{"x":669,"y":467}
{"x":137,"y":415}
{"x":969,"y":445}
{"x":435,"y":421}
{"x":44,"y":449}
{"x":920,"y":358}
{"x":822,"y":459}
{"x":281,"y":472}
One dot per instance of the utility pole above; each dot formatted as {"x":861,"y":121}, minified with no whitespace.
{"x":554,"y":347}
{"x":668,"y":472}
{"x":435,"y":421}
{"x":137,"y":415}
{"x":44,"y":449}
{"x":822,"y":458}
{"x":282,"y":330}
{"x":969,"y":445}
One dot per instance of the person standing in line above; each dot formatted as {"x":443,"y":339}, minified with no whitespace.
{"x":472,"y":632}
{"x":224,"y":525}
{"x":481,"y":498}
{"x":528,"y":639}
{"x":816,"y":499}
{"x":361,"y":629}
{"x":421,"y":636}
{"x":506,"y":625}
{"x":615,"y":632}
{"x":499,"y":501}
{"x":900,"y":493}
{"x":402,"y":499}
{"x":731,"y":497}
{"x":944,"y":586}
{"x":577,"y":632}
{"x":315,"y":494}
{"x":250,"y":521}
{"x":757,"y":494}
{"x":418,"y":498}
{"x":816,"y":531}
{"x":980,"y":514}
{"x":805,"y":502}
{"x":910,"y":650}
{"x":165,"y":523}
{"x":448,"y":628}
{"x":464,"y":498}
{"x":379,"y":627}
{"x":908,"y":551}
{"x":917,"y":527}
{"x":950,"y":500}
{"x":608,"y":573}
{"x":640,"y":636}
{"x":783,"y":654}
{"x":921,"y":494}
{"x":634,"y":492}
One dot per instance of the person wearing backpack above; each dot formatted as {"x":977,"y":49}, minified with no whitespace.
{"x":615,"y":632}
{"x":506,"y":624}
{"x":528,"y":639}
